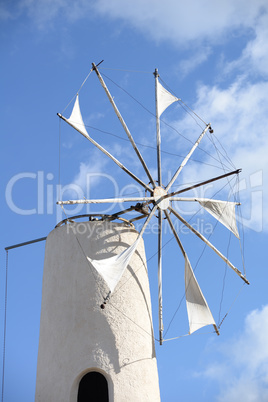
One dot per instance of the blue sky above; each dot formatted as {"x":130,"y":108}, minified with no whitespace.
{"x":214,"y":56}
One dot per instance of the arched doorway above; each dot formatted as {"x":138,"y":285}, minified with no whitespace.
{"x":93,"y":387}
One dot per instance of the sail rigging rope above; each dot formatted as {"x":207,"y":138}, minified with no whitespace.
{"x":226,"y":157}
{"x":148,"y":111}
{"x":186,"y":106}
{"x":194,"y":333}
{"x":236,"y":297}
{"x":152,"y":147}
{"x":5,"y":330}
{"x":127,"y":71}
{"x":219,"y":153}
{"x":153,"y":114}
{"x":83,"y":83}
{"x":151,"y":334}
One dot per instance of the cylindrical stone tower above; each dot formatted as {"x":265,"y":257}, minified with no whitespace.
{"x":87,"y":353}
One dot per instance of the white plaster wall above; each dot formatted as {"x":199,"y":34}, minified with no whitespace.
{"x":76,"y":335}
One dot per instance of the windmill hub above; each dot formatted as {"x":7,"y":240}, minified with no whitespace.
{"x":158,"y":193}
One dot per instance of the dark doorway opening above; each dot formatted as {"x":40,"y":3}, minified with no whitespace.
{"x":93,"y":387}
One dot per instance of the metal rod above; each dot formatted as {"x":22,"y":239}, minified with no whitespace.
{"x":201,"y":184}
{"x":147,"y":221}
{"x":105,"y":200}
{"x":187,"y":158}
{"x":124,"y":211}
{"x":123,"y":124}
{"x":200,"y":199}
{"x":108,"y":154}
{"x":160,"y":296}
{"x":207,"y":242}
{"x":175,"y":233}
{"x":158,"y":136}
{"x":137,"y":218}
{"x":25,"y":243}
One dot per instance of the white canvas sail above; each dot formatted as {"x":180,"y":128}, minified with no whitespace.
{"x":199,"y":314}
{"x":165,"y":98}
{"x":111,"y":269}
{"x":76,"y":119}
{"x":223,"y":211}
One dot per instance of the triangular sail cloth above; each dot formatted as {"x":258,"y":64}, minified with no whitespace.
{"x":76,"y":119}
{"x":111,"y":269}
{"x":199,"y":314}
{"x":223,"y":211}
{"x":165,"y":98}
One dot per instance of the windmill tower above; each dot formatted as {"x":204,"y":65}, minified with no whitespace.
{"x":96,"y":328}
{"x":87,"y":352}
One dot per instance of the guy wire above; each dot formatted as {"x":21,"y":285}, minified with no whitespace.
{"x":5,"y":330}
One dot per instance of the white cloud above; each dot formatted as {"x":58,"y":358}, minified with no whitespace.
{"x":195,"y":22}
{"x":242,"y":368}
{"x":88,"y":177}
{"x":188,"y":65}
{"x":239,"y":116}
{"x":185,"y":22}
{"x":254,"y":58}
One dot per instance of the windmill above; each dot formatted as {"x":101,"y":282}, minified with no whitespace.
{"x":90,"y":337}
{"x":160,"y":199}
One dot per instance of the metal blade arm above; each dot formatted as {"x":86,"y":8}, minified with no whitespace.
{"x":207,"y":242}
{"x":187,"y":158}
{"x":105,"y":200}
{"x":158,"y":136}
{"x":147,"y":220}
{"x":123,"y":124}
{"x":138,"y":218}
{"x":108,"y":154}
{"x":160,"y":298}
{"x":175,"y":234}
{"x":195,"y":199}
{"x":201,"y":184}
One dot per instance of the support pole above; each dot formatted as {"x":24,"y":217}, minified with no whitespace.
{"x":25,"y":243}
{"x":158,"y":136}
